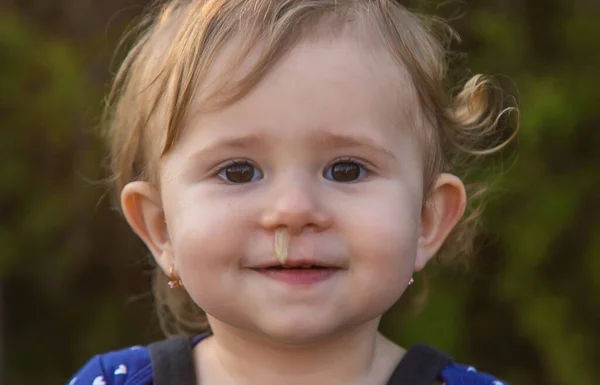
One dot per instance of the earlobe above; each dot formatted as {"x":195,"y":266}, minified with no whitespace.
{"x":442,"y":210}
{"x":142,"y":207}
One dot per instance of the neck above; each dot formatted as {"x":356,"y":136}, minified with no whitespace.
{"x":357,"y":356}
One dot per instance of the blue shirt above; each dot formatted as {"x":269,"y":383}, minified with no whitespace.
{"x":132,"y":366}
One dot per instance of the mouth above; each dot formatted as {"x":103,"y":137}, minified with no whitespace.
{"x":302,"y":267}
{"x":299,"y":272}
{"x":296,"y":265}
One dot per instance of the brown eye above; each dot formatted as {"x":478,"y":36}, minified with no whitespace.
{"x":242,"y":172}
{"x":344,"y":172}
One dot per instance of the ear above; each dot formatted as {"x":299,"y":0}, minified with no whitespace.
{"x":142,"y":207}
{"x":441,"y":212}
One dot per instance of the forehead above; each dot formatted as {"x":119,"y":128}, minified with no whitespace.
{"x":341,"y":81}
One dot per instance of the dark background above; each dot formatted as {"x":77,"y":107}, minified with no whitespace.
{"x":75,"y":282}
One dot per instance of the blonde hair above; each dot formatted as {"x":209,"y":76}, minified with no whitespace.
{"x":177,"y":43}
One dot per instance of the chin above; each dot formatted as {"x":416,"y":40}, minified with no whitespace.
{"x":298,"y":333}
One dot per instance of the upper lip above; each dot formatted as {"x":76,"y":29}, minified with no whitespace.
{"x":295,"y":263}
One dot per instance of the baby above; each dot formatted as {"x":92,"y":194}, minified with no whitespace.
{"x":290,"y":165}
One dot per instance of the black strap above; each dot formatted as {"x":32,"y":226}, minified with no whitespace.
{"x":421,"y":365}
{"x":172,"y":362}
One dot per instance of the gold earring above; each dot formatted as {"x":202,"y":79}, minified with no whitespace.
{"x":175,"y":281}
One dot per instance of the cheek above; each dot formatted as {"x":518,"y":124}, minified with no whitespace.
{"x":385,"y":263}
{"x":206,"y":240}
{"x":383,"y":238}
{"x":201,"y":230}
{"x":385,"y":249}
{"x":385,"y":228}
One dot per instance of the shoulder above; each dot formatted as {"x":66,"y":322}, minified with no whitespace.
{"x":130,"y":366}
{"x":422,"y":358}
{"x":455,"y":374}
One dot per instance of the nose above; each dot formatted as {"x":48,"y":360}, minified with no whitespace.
{"x":295,"y":204}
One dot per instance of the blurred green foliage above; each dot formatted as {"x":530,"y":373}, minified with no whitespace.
{"x":75,"y":281}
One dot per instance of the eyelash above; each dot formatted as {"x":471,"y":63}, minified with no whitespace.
{"x":224,"y":166}
{"x":363,"y":165}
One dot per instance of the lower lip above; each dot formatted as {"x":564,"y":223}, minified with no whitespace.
{"x":299,"y":276}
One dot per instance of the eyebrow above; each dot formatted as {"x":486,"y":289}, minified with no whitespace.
{"x":331,"y":139}
{"x":326,"y":139}
{"x":234,"y":143}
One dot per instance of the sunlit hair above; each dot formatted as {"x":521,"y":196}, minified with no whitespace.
{"x":177,"y":43}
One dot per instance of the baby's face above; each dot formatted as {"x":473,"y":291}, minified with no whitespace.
{"x":322,"y":147}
